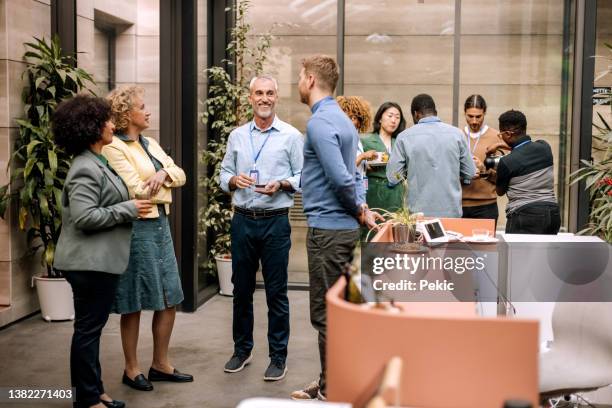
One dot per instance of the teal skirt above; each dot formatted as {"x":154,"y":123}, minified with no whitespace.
{"x":151,"y":281}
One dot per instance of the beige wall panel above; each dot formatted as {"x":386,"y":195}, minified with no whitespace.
{"x":541,"y":105}
{"x":147,"y":59}
{"x":512,"y":17}
{"x":23,"y":297}
{"x":604,"y":17}
{"x":5,"y":284}
{"x":6,"y":148}
{"x":202,"y":58}
{"x":85,"y":45}
{"x":3,"y":34}
{"x":15,"y":86}
{"x":400,"y":17}
{"x":152,"y":133}
{"x":148,"y":17}
{"x":403,"y":94}
{"x":85,"y":8}
{"x":301,"y":17}
{"x":28,"y":19}
{"x":125,"y":58}
{"x":286,"y":53}
{"x":124,"y":9}
{"x":202,"y":17}
{"x":403,"y":60}
{"x":4,"y":95}
{"x":511,"y":60}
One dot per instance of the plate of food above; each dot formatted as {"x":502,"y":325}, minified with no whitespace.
{"x":381,"y":159}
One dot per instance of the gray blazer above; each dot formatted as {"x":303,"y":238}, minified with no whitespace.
{"x":96,"y":219}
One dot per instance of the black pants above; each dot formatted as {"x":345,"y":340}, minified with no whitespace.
{"x":536,"y":218}
{"x":489,"y":212}
{"x":269,"y":240}
{"x":94,"y":293}
{"x":328,"y":252}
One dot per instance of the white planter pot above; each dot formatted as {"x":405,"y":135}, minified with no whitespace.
{"x":224,"y":268}
{"x":55,"y":298}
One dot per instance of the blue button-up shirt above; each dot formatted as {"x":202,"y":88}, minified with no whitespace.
{"x":332,"y":187}
{"x":280,"y":158}
{"x":434,"y":158}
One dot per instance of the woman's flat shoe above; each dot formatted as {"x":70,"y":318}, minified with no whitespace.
{"x":139,"y":383}
{"x":176,"y":376}
{"x":113,"y":404}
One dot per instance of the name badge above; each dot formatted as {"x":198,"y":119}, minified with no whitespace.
{"x":254,"y":174}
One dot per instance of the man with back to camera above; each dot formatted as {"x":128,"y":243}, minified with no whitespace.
{"x":333,"y":195}
{"x":526,"y":176}
{"x":435,"y":160}
{"x":262,"y":166}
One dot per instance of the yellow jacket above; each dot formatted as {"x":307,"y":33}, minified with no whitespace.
{"x":131,"y":162}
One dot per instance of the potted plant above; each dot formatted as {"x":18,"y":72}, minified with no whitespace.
{"x":226,"y":108}
{"x":40,"y":167}
{"x":597,"y":174}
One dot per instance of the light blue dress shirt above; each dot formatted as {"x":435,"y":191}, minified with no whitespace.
{"x":279,"y":156}
{"x":434,"y":158}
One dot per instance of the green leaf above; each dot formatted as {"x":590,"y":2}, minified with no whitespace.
{"x":44,"y":204}
{"x":53,"y":161}
{"x":31,"y":146}
{"x":28,"y":167}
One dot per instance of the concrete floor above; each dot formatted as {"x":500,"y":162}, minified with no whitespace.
{"x":34,"y":353}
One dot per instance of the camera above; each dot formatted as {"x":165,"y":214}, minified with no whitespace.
{"x":491,"y":161}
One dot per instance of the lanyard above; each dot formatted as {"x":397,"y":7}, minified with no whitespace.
{"x":256,"y":155}
{"x":520,"y":144}
{"x":483,"y":129}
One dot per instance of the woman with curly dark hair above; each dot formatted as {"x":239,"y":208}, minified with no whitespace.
{"x":93,"y":247}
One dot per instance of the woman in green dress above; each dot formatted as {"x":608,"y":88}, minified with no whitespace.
{"x":388,"y":123}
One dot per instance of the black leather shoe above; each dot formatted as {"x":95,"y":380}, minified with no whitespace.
{"x":176,"y":376}
{"x":139,"y":383}
{"x":113,"y":404}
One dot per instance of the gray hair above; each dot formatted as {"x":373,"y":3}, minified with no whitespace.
{"x":263,"y":76}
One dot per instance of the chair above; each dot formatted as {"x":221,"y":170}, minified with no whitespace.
{"x":580,"y":356}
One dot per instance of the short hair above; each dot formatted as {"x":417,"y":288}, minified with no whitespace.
{"x":77,"y":123}
{"x":383,"y":108}
{"x":122,"y":102}
{"x":263,"y":76}
{"x":423,"y":103}
{"x":513,"y":120}
{"x":358,"y":107}
{"x":475,"y":101}
{"x":324,"y":68}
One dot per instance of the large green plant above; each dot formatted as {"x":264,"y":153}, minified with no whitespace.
{"x":226,"y":108}
{"x":598,"y":173}
{"x":40,"y":166}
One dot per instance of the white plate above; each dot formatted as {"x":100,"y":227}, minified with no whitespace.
{"x":473,"y":240}
{"x":377,"y":163}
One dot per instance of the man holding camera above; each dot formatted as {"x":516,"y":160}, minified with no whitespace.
{"x":526,"y":176}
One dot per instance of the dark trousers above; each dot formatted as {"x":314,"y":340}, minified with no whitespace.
{"x":269,"y":240}
{"x":488,"y":212}
{"x":93,"y":293}
{"x":536,"y":218}
{"x":328,"y":252}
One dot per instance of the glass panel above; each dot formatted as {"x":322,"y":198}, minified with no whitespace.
{"x":512,"y":54}
{"x":204,"y":278}
{"x":395,"y":50}
{"x":603,"y":67}
{"x":131,"y":32}
{"x":306,"y":27}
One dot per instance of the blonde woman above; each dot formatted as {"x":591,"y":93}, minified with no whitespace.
{"x":151,"y":281}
